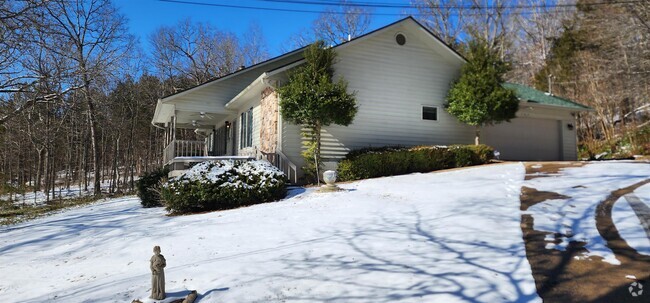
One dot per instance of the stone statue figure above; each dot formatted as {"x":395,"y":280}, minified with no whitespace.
{"x":157,"y":266}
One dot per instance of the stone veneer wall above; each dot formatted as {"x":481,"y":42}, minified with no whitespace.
{"x":269,"y":121}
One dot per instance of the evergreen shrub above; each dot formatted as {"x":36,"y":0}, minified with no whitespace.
{"x":395,"y":160}
{"x":218,"y":185}
{"x":148,"y":187}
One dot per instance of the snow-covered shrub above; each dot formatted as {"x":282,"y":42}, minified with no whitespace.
{"x":215,"y":185}
{"x":389,"y":161}
{"x":148,"y":187}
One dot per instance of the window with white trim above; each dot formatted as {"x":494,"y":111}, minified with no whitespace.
{"x":246,"y":129}
{"x":430,"y":113}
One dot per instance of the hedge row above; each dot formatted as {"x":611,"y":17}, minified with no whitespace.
{"x":395,"y":160}
{"x":217,"y":185}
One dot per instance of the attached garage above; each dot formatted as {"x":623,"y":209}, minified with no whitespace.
{"x":544,"y":129}
{"x":526,"y":139}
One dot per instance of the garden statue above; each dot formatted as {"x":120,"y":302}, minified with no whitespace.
{"x":157,"y":266}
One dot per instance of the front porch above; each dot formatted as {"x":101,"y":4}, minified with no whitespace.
{"x":198,"y":130}
{"x":180,"y":155}
{"x":192,"y":136}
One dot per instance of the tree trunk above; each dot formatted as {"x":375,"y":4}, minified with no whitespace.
{"x":39,"y":166}
{"x":46,"y":173}
{"x":478,"y":136}
{"x":317,"y":129}
{"x":92,"y":121}
{"x":115,"y":187}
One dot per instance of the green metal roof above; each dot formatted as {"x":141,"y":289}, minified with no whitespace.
{"x":535,"y":96}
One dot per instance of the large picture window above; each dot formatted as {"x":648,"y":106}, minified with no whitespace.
{"x":246,"y":129}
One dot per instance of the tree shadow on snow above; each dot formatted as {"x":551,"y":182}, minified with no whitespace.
{"x":410,"y":258}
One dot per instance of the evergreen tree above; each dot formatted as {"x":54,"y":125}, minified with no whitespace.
{"x":477,"y":98}
{"x":312,"y":98}
{"x":561,"y":65}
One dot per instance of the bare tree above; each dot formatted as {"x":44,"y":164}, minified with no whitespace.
{"x":99,"y":42}
{"x":199,"y":52}
{"x":443,"y":18}
{"x":335,"y":25}
{"x":254,"y":45}
{"x":457,"y":21}
{"x":532,"y":30}
{"x":25,"y":62}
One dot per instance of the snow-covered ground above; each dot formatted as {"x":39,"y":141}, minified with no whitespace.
{"x":588,"y":186}
{"x":440,"y":237}
{"x":60,"y":192}
{"x":628,"y":223}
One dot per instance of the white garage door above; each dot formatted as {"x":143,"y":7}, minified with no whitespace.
{"x":525,"y":139}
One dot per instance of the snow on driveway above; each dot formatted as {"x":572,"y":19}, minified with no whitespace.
{"x":586,"y":187}
{"x":440,"y":237}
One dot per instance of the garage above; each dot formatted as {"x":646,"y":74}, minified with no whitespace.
{"x":528,"y":139}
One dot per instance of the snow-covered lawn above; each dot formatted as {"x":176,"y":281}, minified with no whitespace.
{"x":440,"y":237}
{"x":39,"y":198}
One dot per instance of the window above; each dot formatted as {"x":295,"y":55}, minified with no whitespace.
{"x":429,"y":113}
{"x":400,"y":39}
{"x":246,"y":129}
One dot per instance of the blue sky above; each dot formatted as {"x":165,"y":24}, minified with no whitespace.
{"x":147,"y":15}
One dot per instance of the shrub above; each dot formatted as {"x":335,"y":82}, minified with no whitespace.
{"x":216,"y":185}
{"x":148,"y":187}
{"x":388,"y":161}
{"x":634,"y":141}
{"x":467,"y":155}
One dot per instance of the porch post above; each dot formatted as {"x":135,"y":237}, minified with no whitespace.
{"x":174,"y":128}
{"x":167,"y":126}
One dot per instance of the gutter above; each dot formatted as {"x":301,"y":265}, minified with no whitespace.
{"x":558,"y":107}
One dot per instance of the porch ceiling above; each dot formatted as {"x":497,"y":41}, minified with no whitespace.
{"x":193,"y":120}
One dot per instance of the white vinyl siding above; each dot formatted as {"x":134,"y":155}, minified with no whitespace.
{"x":392,"y":83}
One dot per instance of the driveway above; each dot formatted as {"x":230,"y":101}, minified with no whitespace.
{"x":586,"y":232}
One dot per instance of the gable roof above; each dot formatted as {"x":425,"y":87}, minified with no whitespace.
{"x":235,"y":73}
{"x":532,"y":95}
{"x":293,"y":52}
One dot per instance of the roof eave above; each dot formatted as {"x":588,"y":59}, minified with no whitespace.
{"x":551,"y":106}
{"x":228,"y":76}
{"x":234,"y":102}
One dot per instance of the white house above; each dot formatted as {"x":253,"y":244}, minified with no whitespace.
{"x":400,"y":73}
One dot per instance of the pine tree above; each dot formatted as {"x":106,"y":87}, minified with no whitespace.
{"x":312,"y":98}
{"x":477,"y":98}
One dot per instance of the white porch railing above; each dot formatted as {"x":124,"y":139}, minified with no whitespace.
{"x":280,"y":160}
{"x":184,"y":148}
